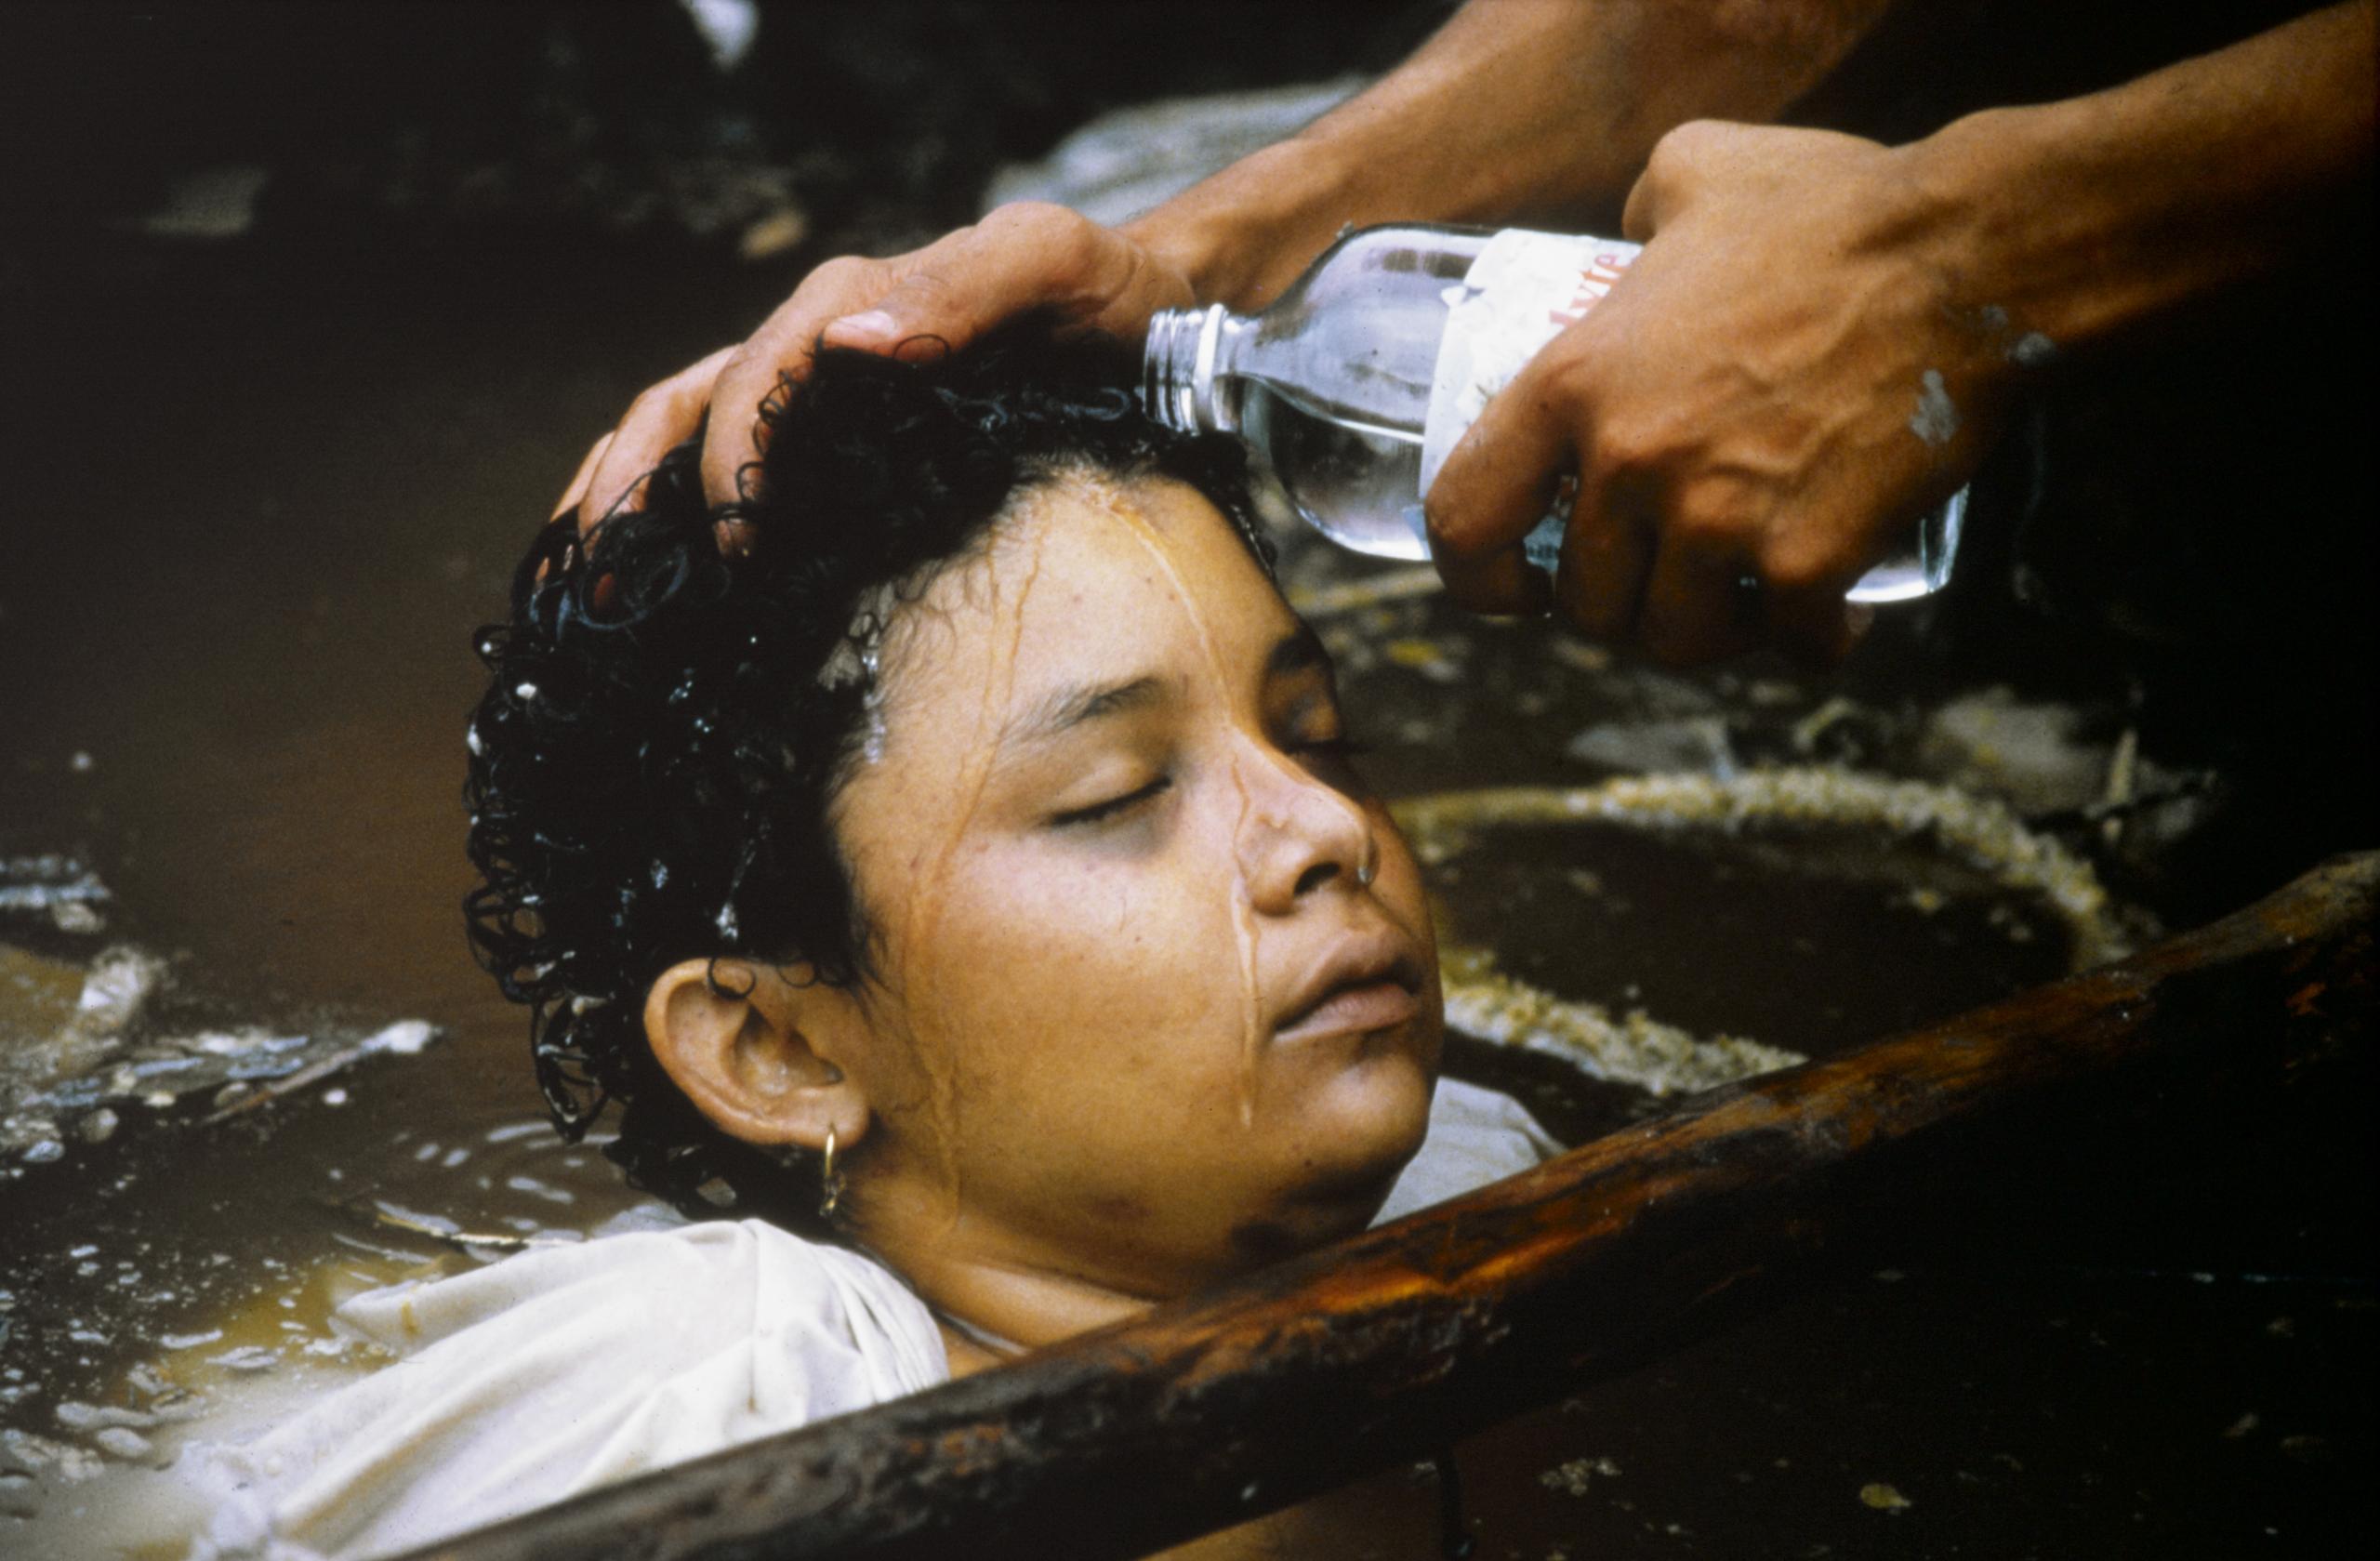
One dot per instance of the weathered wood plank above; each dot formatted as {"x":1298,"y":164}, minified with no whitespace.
{"x":1386,"y":1346}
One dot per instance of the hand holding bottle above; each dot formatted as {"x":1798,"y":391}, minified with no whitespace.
{"x":1020,"y":258}
{"x":1772,"y":392}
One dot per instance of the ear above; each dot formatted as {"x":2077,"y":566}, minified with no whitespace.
{"x":755,"y":1052}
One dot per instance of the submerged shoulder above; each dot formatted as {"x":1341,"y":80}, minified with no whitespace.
{"x":569,"y":1367}
{"x":1476,"y":1135}
{"x":695,"y":1279}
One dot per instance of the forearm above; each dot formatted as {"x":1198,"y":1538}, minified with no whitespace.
{"x":2076,"y":222}
{"x":1517,"y":111}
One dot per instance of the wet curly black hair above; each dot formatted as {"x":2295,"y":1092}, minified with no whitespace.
{"x":652,"y":764}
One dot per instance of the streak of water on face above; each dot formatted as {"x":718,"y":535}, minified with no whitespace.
{"x":1019,"y":526}
{"x":1245,"y":933}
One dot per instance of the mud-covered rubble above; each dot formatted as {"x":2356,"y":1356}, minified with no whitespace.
{"x":59,"y":890}
{"x":82,"y":1048}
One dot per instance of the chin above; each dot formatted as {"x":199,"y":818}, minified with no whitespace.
{"x":1373,"y":1119}
{"x":1370,"y":1120}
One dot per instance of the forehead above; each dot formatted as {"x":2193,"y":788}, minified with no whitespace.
{"x":1085,"y":578}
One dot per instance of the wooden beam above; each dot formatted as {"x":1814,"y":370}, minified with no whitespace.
{"x":1396,"y":1342}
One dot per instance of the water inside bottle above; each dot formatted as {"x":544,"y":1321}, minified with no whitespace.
{"x":1359,"y":487}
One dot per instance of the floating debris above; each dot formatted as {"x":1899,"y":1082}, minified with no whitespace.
{"x":404,"y":1038}
{"x":1678,"y":743}
{"x":78,"y":917}
{"x":77,"y":1416}
{"x":45,"y":1458}
{"x":49,"y":1051}
{"x":1661,"y":1059}
{"x":125,"y":1444}
{"x":438,"y":1227}
{"x":1574,"y":1476}
{"x":47,"y":885}
{"x":2033,"y":754}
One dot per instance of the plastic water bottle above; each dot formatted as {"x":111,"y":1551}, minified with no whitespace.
{"x":1360,"y":379}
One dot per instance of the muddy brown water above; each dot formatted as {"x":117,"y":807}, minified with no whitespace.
{"x":264,"y":506}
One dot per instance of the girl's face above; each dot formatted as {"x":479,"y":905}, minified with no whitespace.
{"x":1158,"y":998}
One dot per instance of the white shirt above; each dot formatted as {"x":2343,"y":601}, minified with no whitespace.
{"x":567,"y":1368}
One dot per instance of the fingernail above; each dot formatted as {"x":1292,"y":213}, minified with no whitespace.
{"x":873,"y":326}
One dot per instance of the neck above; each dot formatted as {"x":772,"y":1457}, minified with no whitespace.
{"x":993,"y":1307}
{"x":992,"y":1299}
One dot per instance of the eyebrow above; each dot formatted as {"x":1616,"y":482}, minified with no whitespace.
{"x":1075,"y":705}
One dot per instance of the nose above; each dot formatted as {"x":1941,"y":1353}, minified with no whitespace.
{"x":1298,"y":835}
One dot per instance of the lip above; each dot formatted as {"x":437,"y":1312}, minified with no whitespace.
{"x":1363,"y":984}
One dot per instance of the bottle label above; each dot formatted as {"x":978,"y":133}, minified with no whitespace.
{"x":1522,"y":292}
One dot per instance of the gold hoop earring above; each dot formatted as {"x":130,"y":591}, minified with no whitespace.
{"x":830,"y":1180}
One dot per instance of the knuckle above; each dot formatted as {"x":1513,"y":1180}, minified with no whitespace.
{"x":1019,"y":214}
{"x":1713,"y":516}
{"x":652,"y":401}
{"x":1066,"y":240}
{"x":1442,"y":525}
{"x":742,"y":365}
{"x":1629,"y":448}
{"x":1029,"y":212}
{"x":1046,"y":217}
{"x":1563,"y":374}
{"x":1685,"y":145}
{"x":1445,"y":546}
{"x":842,"y":271}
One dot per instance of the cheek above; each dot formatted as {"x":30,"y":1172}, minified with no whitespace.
{"x":1037,"y":961}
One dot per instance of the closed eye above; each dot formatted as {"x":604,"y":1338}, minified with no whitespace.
{"x":1113,"y":806}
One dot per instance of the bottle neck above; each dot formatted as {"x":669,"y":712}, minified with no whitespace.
{"x":1185,"y":377}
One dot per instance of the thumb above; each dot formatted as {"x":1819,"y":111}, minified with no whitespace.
{"x":921,"y":306}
